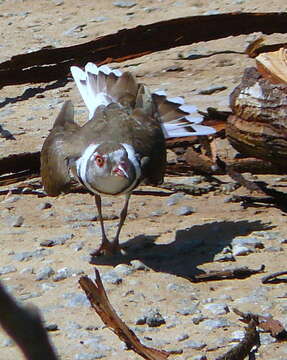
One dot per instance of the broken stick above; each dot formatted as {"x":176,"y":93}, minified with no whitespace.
{"x":99,"y":301}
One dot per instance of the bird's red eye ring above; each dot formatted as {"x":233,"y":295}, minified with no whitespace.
{"x":99,"y":160}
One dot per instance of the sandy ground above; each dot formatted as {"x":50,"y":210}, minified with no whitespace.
{"x":173,"y":247}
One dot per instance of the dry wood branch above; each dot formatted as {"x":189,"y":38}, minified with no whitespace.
{"x":244,"y":348}
{"x":273,"y":278}
{"x":100,"y":302}
{"x":25,"y":327}
{"x":235,"y":273}
{"x":266,"y":323}
{"x":53,"y":64}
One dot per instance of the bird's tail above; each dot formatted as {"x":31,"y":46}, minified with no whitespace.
{"x":103,"y":86}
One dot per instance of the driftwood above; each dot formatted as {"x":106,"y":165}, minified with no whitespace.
{"x":273,"y":278}
{"x":99,"y":301}
{"x":235,"y":273}
{"x":244,"y":348}
{"x":266,"y":323}
{"x":25,"y":327}
{"x":50,"y":64}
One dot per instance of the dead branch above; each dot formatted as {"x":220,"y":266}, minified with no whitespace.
{"x":266,"y":323}
{"x":273,"y":278}
{"x":50,"y":64}
{"x":235,"y":273}
{"x":241,"y":350}
{"x":17,"y":163}
{"x":25,"y":327}
{"x":100,"y":303}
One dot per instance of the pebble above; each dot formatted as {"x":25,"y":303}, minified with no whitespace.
{"x":152,"y":318}
{"x":65,"y":273}
{"x":7,"y":269}
{"x":237,"y":335}
{"x":44,"y":205}
{"x":27,"y":255}
{"x":212,"y":324}
{"x":124,"y":4}
{"x":124,"y":270}
{"x":248,"y":241}
{"x":174,"y":199}
{"x":184,"y":210}
{"x":158,"y":212}
{"x":212,"y":89}
{"x":14,"y":220}
{"x":45,"y":273}
{"x":138,"y":265}
{"x":182,"y":337}
{"x":57,"y":240}
{"x":217,"y":309}
{"x":111,"y":277}
{"x":76,"y":299}
{"x":51,"y":327}
{"x":11,"y":199}
{"x":191,"y":310}
{"x":74,"y":30}
{"x":87,"y":356}
{"x":99,"y":19}
{"x":196,"y":345}
{"x":239,"y":250}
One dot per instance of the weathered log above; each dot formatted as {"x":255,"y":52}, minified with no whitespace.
{"x":50,"y":64}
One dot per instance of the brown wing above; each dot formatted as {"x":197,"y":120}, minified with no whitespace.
{"x":58,"y":147}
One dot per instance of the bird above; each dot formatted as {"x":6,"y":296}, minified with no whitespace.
{"x":122,"y":144}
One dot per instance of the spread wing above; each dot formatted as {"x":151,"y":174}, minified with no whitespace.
{"x":56,"y":152}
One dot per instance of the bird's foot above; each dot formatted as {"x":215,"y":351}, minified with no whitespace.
{"x":107,"y":248}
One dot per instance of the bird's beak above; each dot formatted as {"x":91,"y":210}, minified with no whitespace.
{"x":120,"y":170}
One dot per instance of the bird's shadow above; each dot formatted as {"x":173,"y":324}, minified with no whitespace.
{"x":191,"y":248}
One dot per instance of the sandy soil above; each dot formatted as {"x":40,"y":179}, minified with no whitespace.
{"x":172,"y":247}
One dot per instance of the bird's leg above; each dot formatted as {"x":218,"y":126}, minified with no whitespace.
{"x":123,"y":216}
{"x":106,"y":246}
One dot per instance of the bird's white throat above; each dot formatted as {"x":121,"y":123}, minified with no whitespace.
{"x":108,"y":184}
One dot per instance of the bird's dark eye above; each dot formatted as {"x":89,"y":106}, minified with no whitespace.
{"x":99,"y":161}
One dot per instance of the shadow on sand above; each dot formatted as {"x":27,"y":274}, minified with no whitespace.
{"x":191,"y":248}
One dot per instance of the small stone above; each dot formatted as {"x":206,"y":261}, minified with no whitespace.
{"x":45,"y":273}
{"x":111,"y":277}
{"x":11,"y":199}
{"x":44,"y":205}
{"x":124,"y":270}
{"x":99,"y":19}
{"x":237,"y":335}
{"x":182,"y":337}
{"x":174,"y":199}
{"x":184,"y":210}
{"x":75,"y":299}
{"x":27,"y":255}
{"x":217,"y":309}
{"x":239,"y":250}
{"x":196,"y":345}
{"x":65,"y":273}
{"x":212,"y":89}
{"x":152,"y":318}
{"x":215,"y":324}
{"x":138,"y":265}
{"x":193,"y":309}
{"x":15,"y":220}
{"x":248,"y":241}
{"x":124,"y":4}
{"x":86,"y":356}
{"x":222,"y":257}
{"x":158,"y":212}
{"x":7,"y":269}
{"x":47,"y":243}
{"x":51,"y":327}
{"x":78,"y":246}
